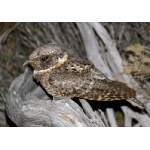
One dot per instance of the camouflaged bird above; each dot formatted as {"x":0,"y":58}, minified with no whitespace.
{"x":65,"y":76}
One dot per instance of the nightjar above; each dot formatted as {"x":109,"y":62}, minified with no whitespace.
{"x":65,"y":76}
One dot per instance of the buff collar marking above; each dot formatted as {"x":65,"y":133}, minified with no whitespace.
{"x":60,"y":62}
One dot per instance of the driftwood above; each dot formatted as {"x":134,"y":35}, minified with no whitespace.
{"x":28,"y":104}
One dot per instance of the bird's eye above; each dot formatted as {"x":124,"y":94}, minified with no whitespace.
{"x":44,"y":58}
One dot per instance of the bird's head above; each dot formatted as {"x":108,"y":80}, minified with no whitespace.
{"x":47,"y":56}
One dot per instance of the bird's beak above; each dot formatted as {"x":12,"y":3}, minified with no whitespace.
{"x":27,"y":62}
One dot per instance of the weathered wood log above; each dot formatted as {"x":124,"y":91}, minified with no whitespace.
{"x":28,"y":104}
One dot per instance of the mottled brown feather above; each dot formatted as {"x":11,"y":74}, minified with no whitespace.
{"x":67,"y":76}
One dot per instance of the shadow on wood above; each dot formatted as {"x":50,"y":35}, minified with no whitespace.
{"x":28,"y":104}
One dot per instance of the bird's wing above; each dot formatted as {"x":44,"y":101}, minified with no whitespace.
{"x":78,"y":78}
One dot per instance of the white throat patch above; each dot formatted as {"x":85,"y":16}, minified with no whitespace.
{"x":60,"y":62}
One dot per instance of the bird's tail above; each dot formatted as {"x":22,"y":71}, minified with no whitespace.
{"x":136,"y":103}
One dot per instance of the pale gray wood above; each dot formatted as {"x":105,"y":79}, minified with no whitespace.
{"x":142,"y":118}
{"x":111,"y":117}
{"x":28,"y":104}
{"x":97,"y":119}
